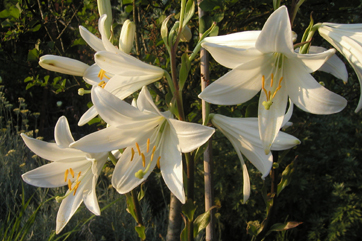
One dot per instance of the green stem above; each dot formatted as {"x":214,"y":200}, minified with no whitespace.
{"x":137,"y":208}
{"x":190,"y":192}
{"x":112,"y":158}
{"x":305,"y":48}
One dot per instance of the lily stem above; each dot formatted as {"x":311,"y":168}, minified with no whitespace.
{"x":137,"y":208}
{"x":190,"y":192}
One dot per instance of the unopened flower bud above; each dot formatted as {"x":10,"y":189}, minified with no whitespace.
{"x":63,"y":65}
{"x":104,"y":7}
{"x":126,"y":38}
{"x":185,"y":34}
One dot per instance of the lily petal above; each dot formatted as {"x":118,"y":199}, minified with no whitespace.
{"x":313,"y":62}
{"x":63,"y":65}
{"x":276,"y":35}
{"x":190,"y":135}
{"x":91,"y":39}
{"x":88,"y":116}
{"x":63,"y":136}
{"x":308,"y":94}
{"x":106,"y":43}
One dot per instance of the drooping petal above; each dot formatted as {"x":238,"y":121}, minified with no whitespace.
{"x":270,"y":121}
{"x":63,"y":136}
{"x":50,"y":151}
{"x":284,"y":141}
{"x":276,"y":35}
{"x":171,"y":164}
{"x":52,"y":174}
{"x":308,"y":94}
{"x":88,"y":116}
{"x":63,"y":65}
{"x":89,"y":195}
{"x":239,"y":85}
{"x":190,"y":135}
{"x":91,"y":39}
{"x":333,"y":65}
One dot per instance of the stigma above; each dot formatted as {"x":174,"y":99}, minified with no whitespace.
{"x":270,"y":94}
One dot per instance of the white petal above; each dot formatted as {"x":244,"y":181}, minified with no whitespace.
{"x":190,"y":135}
{"x":106,"y":43}
{"x":63,"y":136}
{"x":289,"y":113}
{"x":240,"y":40}
{"x":52,"y":174}
{"x":127,"y":36}
{"x":239,"y":85}
{"x":171,"y":165}
{"x":111,"y":138}
{"x":333,"y":65}
{"x":63,"y":65}
{"x":91,"y":75}
{"x":126,"y":65}
{"x":124,"y":179}
{"x":309,"y":95}
{"x":90,"y":197}
{"x":91,"y":39}
{"x":276,"y":35}
{"x":284,"y":141}
{"x":88,"y":116}
{"x":145,"y":102}
{"x":50,"y":151}
{"x":117,"y":112}
{"x":313,"y":62}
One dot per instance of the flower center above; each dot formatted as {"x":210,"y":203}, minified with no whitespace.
{"x":140,"y":173}
{"x":268,"y":93}
{"x":70,"y":183}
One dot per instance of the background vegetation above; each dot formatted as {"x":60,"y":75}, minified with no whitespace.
{"x":325,"y":192}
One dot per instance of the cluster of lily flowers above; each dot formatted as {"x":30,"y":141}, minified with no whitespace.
{"x":260,"y":61}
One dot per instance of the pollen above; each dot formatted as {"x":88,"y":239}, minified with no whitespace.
{"x":102,"y":74}
{"x":102,"y":84}
{"x":132,"y":154}
{"x":138,"y":149}
{"x":148,"y":145}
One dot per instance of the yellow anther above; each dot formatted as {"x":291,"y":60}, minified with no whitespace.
{"x":76,"y":187}
{"x":69,"y":184}
{"x":143,"y":160}
{"x":272,"y":80}
{"x":269,"y":94}
{"x":138,"y":149}
{"x":66,"y":175}
{"x":102,"y":84}
{"x":102,"y":74}
{"x":158,"y":162}
{"x":71,"y":172}
{"x":153,"y":152}
{"x":132,"y":154}
{"x":78,"y":176}
{"x":148,"y":145}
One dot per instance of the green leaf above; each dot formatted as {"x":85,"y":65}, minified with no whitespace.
{"x":129,"y":8}
{"x":209,"y":5}
{"x":284,"y":226}
{"x":14,"y":11}
{"x":202,"y":221}
{"x":140,"y":229}
{"x":141,"y":194}
{"x":36,"y":28}
{"x":33,"y":55}
{"x":189,"y":12}
{"x":184,"y":70}
{"x":286,"y":177}
{"x":188,"y":209}
{"x":4,"y":13}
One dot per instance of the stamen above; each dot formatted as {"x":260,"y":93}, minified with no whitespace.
{"x":71,"y":172}
{"x":132,"y":154}
{"x":148,"y":145}
{"x":102,"y":84}
{"x":158,"y":162}
{"x":102,"y":74}
{"x":66,"y":175}
{"x":78,"y":176}
{"x":69,"y":184}
{"x":263,"y":85}
{"x":153,"y":152}
{"x":138,"y":149}
{"x":143,"y":160}
{"x":271,"y":81}
{"x":76,"y":187}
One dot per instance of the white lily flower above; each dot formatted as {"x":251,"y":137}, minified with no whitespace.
{"x":123,"y":74}
{"x":347,"y":39}
{"x":243,"y":133}
{"x":72,"y":167}
{"x":150,"y":136}
{"x":266,"y":61}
